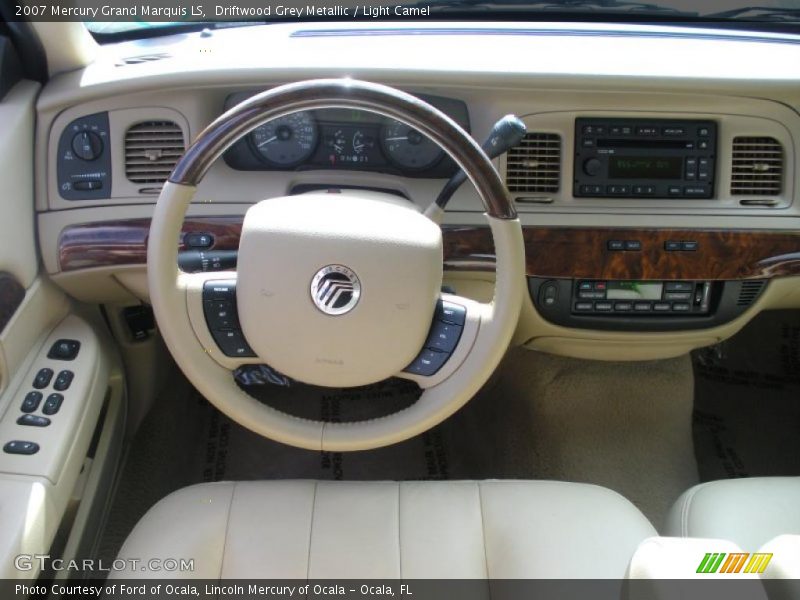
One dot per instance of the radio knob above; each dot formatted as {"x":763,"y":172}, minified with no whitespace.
{"x":591,"y":166}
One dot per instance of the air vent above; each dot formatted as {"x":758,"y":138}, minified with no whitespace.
{"x":151,"y":150}
{"x":144,"y":58}
{"x":757,"y":166}
{"x":534,"y":166}
{"x":749,"y":291}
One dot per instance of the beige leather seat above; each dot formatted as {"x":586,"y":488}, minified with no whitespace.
{"x":749,"y":512}
{"x":759,"y":514}
{"x":320,"y":530}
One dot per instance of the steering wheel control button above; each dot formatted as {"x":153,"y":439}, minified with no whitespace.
{"x":64,"y":350}
{"x":219,"y":290}
{"x":232,"y":343}
{"x":42,"y":379}
{"x":221,"y":314}
{"x":427,"y":363}
{"x":33,"y":421}
{"x":21,"y":447}
{"x":335,"y":290}
{"x":63,"y":380}
{"x":52,"y":404}
{"x":31,"y":402}
{"x":449,"y":312}
{"x":443,"y":336}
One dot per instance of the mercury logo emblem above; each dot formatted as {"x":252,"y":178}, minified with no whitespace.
{"x":335,"y":289}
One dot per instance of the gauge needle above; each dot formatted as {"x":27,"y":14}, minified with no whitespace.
{"x":394,"y":139}
{"x":265,"y":142}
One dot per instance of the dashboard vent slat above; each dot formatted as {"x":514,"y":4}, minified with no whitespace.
{"x":152,"y":148}
{"x":534,"y":166}
{"x":749,"y":292}
{"x":757,"y":166}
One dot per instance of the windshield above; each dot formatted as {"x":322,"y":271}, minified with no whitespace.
{"x":127,"y":21}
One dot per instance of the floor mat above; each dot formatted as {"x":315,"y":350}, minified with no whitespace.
{"x":747,"y":406}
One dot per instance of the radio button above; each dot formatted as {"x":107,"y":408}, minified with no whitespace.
{"x":585,"y":285}
{"x":672,"y":246}
{"x":647,"y":130}
{"x":593,"y":190}
{"x":703,"y":132}
{"x":695,"y":190}
{"x":661,"y":306}
{"x":583,"y":306}
{"x":678,"y":286}
{"x":633,"y":245}
{"x":623,"y":306}
{"x":618,"y":190}
{"x":592,"y":166}
{"x":642,"y":306}
{"x":674,"y":131}
{"x":680,"y":307}
{"x":600,"y":286}
{"x":603,"y":306}
{"x":674,"y":190}
{"x":588,"y":142}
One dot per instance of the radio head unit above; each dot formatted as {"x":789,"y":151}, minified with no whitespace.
{"x":644,"y":158}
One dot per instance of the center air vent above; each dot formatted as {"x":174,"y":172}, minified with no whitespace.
{"x":151,"y":150}
{"x":757,"y":166}
{"x":534,"y":166}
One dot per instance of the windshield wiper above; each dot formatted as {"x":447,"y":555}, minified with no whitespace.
{"x":562,"y":6}
{"x":758,"y":13}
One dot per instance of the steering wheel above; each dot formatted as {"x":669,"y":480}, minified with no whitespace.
{"x":335,"y":289}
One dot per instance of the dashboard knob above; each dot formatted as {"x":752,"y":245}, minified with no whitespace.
{"x":591,"y":166}
{"x":87,"y":145}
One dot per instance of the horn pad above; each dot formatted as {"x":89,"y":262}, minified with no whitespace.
{"x":337,"y":289}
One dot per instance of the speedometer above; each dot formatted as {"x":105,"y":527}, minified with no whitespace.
{"x":408,"y":148}
{"x":286,"y":141}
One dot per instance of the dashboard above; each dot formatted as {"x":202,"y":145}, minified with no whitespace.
{"x":659,"y":204}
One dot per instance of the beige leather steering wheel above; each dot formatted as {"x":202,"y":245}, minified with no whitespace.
{"x":338,"y":289}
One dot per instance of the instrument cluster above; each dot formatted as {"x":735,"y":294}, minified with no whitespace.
{"x":344,"y":139}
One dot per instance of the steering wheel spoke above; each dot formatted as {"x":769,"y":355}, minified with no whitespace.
{"x":212,"y":310}
{"x":454,"y":329}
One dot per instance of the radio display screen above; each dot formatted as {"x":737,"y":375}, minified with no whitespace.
{"x":633,"y":290}
{"x":637,"y":167}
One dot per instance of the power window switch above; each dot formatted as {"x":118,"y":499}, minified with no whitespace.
{"x":31,"y":402}
{"x":52,"y":404}
{"x":21,"y":447}
{"x":42,"y":379}
{"x":33,"y":421}
{"x":63,"y":380}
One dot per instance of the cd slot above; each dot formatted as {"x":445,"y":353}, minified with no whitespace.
{"x":645,"y":143}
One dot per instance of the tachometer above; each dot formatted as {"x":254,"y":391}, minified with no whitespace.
{"x":286,"y":141}
{"x":408,"y":148}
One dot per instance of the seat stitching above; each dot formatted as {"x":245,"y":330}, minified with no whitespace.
{"x":483,"y":538}
{"x":311,"y":528}
{"x":685,"y":511}
{"x":227,"y":529}
{"x":399,"y":544}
